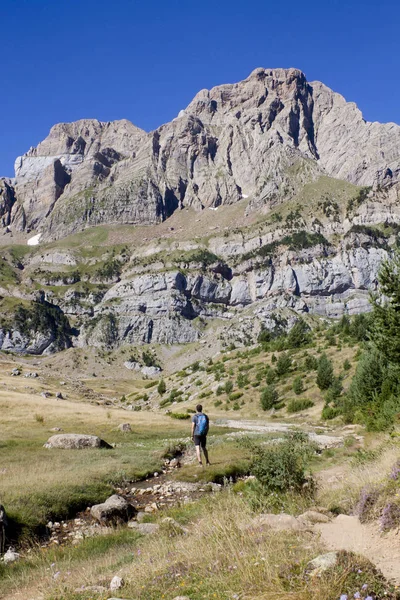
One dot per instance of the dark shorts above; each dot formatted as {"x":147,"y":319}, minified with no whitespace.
{"x":200,"y":440}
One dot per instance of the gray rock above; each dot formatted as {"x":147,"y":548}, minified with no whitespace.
{"x":10,"y":556}
{"x":322,"y":563}
{"x":75,"y":441}
{"x":312,"y":516}
{"x":144,"y":528}
{"x":125,"y":427}
{"x":116,"y":583}
{"x":281,"y":522}
{"x":114,"y":510}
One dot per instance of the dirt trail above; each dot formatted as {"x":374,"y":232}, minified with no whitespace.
{"x":347,"y":533}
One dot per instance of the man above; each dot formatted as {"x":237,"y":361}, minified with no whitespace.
{"x":200,"y":425}
{"x":3,"y":525}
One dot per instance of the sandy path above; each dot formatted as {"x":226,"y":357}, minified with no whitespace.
{"x":347,"y":533}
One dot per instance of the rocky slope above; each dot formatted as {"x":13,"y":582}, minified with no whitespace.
{"x":304,"y":197}
{"x":262,"y":138}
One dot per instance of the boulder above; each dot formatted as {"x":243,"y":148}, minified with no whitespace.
{"x":113,"y":511}
{"x":125,"y":427}
{"x":282,"y":522}
{"x":10,"y":556}
{"x":75,"y":441}
{"x":116,"y":583}
{"x":312,"y":516}
{"x":322,"y":563}
{"x":144,"y":528}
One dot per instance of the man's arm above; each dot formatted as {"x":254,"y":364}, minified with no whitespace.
{"x":193,"y":425}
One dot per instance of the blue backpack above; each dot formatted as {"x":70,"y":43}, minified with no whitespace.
{"x":202,"y":424}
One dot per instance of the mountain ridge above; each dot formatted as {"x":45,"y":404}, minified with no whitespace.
{"x":233,"y":140}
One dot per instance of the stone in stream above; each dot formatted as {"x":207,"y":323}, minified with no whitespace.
{"x":113,"y":511}
{"x":75,"y":441}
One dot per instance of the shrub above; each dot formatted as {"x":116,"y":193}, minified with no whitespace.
{"x":242,"y":380}
{"x":148,"y":359}
{"x":281,"y":467}
{"x":217,"y":403}
{"x":228,"y":386}
{"x":324,"y":373}
{"x":269,"y":397}
{"x":181,"y":416}
{"x":271,"y":376}
{"x":220,"y":390}
{"x":150,"y":384}
{"x":161,"y":388}
{"x":330,"y":412}
{"x":299,"y":404}
{"x":346,"y":365}
{"x":235,"y":395}
{"x":298,"y":386}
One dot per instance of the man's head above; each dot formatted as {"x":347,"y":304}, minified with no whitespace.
{"x":199,"y":408}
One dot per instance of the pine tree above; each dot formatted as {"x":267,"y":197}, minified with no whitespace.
{"x":298,"y":386}
{"x":299,"y":335}
{"x":162,"y":388}
{"x":324,"y":373}
{"x":283,"y":364}
{"x":269,"y":397}
{"x":385,"y":329}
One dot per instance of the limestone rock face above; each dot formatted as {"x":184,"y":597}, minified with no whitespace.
{"x":262,"y":138}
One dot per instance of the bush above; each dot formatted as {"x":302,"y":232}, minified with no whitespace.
{"x":148,"y":359}
{"x":242,"y":380}
{"x":271,"y":376}
{"x":181,"y":416}
{"x":235,"y":396}
{"x":330,"y":412}
{"x":217,"y":403}
{"x":298,"y":405}
{"x":283,"y":364}
{"x":324,"y":373}
{"x":346,"y":365}
{"x":228,"y":386}
{"x":281,"y":467}
{"x":298,"y":386}
{"x":269,"y":397}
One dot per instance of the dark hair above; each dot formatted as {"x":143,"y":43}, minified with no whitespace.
{"x":199,"y":408}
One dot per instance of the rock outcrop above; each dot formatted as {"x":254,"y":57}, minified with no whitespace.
{"x":262,"y":138}
{"x":294,"y":154}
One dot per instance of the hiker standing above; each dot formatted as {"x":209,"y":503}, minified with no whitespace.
{"x":200,"y":425}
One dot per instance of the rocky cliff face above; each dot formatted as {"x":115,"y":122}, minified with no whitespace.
{"x":262,"y":138}
{"x":315,"y":190}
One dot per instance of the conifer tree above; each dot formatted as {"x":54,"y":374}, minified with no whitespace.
{"x":324,"y":373}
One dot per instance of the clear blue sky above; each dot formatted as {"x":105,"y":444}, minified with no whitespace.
{"x":63,"y":60}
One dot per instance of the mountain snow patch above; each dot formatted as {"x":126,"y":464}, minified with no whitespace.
{"x":34,"y":241}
